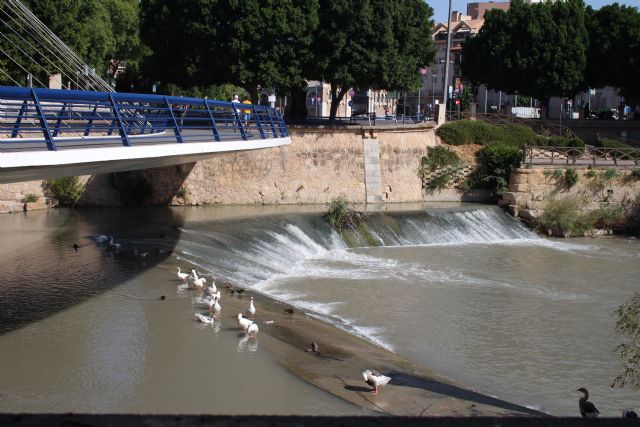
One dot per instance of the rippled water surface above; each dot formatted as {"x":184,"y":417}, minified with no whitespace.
{"x":464,"y":290}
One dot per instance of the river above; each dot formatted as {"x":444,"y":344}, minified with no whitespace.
{"x":462,"y":289}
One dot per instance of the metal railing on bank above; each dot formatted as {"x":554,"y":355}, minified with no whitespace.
{"x":29,"y":116}
{"x":581,"y":156}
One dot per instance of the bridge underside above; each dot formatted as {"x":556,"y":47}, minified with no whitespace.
{"x":22,"y":166}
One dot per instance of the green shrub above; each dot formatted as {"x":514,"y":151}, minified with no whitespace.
{"x":635,"y":173}
{"x":469,"y":132}
{"x":608,"y":217}
{"x":541,"y":141}
{"x":439,"y":157}
{"x":570,"y":177}
{"x":181,"y":193}
{"x":495,"y":164}
{"x":591,"y":174}
{"x":610,"y":143}
{"x":66,"y":190}
{"x":441,"y":164}
{"x":30,"y":198}
{"x":519,"y":135}
{"x":553,"y":173}
{"x":610,"y":174}
{"x":562,"y":217}
{"x":340,"y":216}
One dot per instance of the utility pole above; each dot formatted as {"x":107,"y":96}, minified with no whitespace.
{"x":446,"y":62}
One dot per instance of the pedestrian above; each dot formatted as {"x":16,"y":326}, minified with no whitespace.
{"x":247,"y":112}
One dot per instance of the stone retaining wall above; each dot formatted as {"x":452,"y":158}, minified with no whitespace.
{"x":531,"y":189}
{"x":319,"y":165}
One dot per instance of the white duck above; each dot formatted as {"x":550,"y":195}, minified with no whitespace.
{"x":212,"y":290}
{"x":243,"y":322}
{"x":204,"y":319}
{"x":215,"y":309}
{"x":252,"y":330}
{"x":199,"y":282}
{"x":375,"y":379}
{"x":252,"y":308}
{"x":182,"y":276}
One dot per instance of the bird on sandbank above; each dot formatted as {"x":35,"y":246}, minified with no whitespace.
{"x":375,"y":379}
{"x":289,"y":311}
{"x":587,"y":409}
{"x":252,"y":309}
{"x":313,"y":347}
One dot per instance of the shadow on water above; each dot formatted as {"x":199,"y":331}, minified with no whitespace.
{"x":49,"y":275}
{"x":407,"y":380}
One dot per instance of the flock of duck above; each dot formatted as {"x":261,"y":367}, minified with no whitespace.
{"x":211,"y":298}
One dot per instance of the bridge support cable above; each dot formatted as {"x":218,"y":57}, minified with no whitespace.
{"x":57,"y":55}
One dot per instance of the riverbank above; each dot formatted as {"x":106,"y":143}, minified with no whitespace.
{"x":336,"y":368}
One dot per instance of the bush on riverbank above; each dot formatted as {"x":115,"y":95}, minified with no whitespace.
{"x":66,"y":190}
{"x":496,"y":161}
{"x":563,"y":218}
{"x":438,"y":167}
{"x":478,"y":132}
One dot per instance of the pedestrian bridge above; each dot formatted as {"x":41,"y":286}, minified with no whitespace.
{"x":46,"y":133}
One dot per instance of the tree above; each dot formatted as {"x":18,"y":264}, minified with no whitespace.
{"x":84,"y":25}
{"x":125,"y":27}
{"x":250,"y":44}
{"x":98,"y":31}
{"x":613,"y":57}
{"x":537,"y":50}
{"x":371,"y":44}
{"x":629,"y":325}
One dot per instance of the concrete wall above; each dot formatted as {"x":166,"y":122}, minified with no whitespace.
{"x":531,"y":189}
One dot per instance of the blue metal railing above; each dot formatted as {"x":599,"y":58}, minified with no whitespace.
{"x":58,"y":116}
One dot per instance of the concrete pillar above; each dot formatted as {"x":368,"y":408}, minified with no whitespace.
{"x":55,"y":81}
{"x":441,"y":114}
{"x":372,"y":174}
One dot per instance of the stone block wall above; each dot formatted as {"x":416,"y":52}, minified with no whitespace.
{"x":11,"y":195}
{"x":531,"y":189}
{"x":319,"y":165}
{"x":400,"y":154}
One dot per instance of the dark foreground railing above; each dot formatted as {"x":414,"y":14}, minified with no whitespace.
{"x":587,"y":155}
{"x":52,"y":116}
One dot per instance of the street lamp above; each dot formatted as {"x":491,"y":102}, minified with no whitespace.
{"x":446,"y":66}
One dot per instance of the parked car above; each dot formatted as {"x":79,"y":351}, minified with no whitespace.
{"x":608,"y":114}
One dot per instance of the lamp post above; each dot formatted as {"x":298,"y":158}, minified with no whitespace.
{"x":446,"y":62}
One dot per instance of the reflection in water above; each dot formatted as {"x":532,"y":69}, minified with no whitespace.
{"x":69,"y":265}
{"x":247,"y":343}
